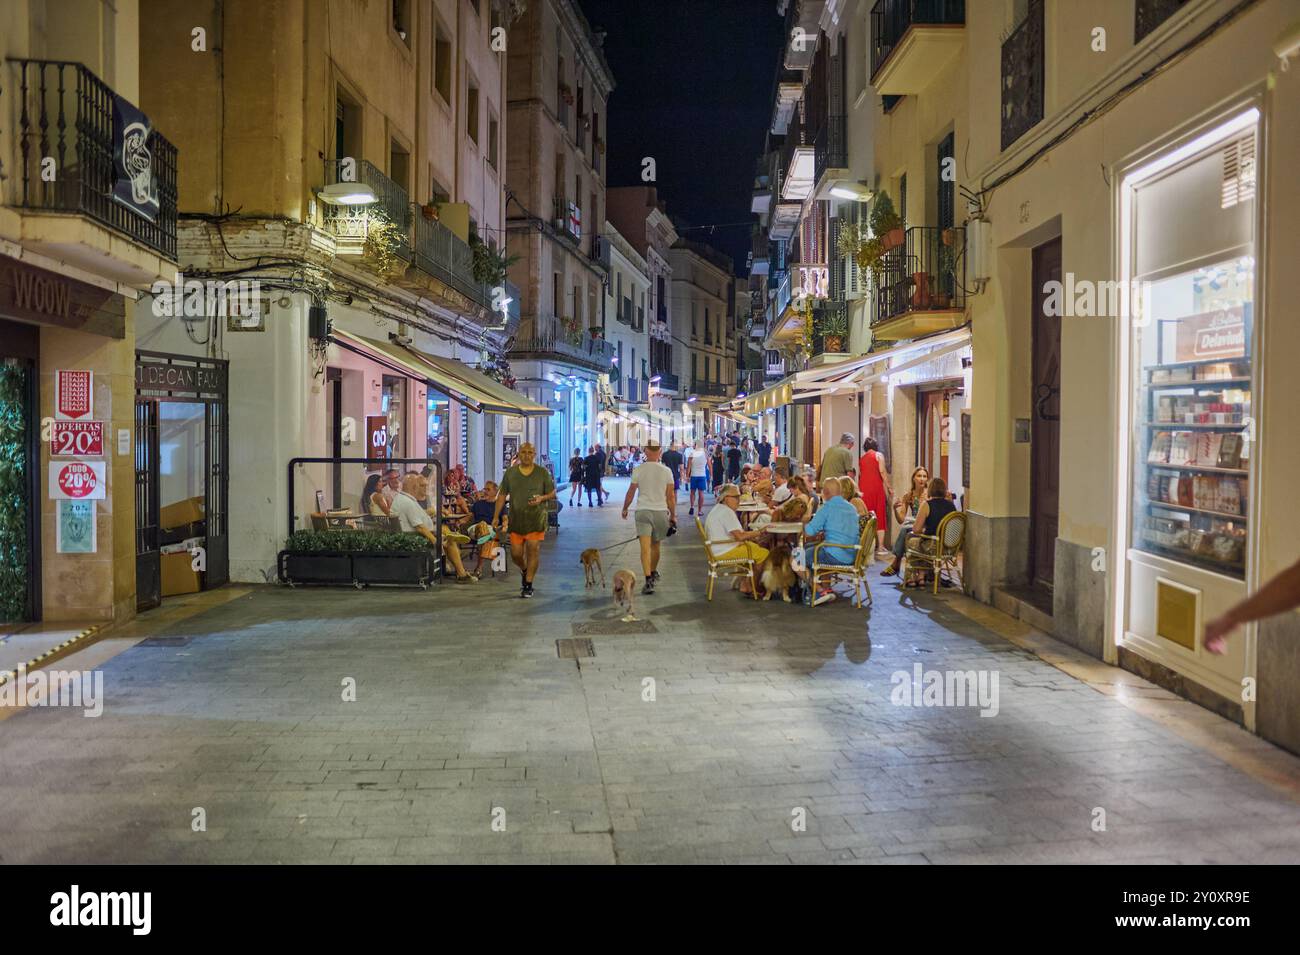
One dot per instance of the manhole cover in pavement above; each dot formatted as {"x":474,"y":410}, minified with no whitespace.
{"x":165,"y":642}
{"x":574,"y":648}
{"x":613,"y":628}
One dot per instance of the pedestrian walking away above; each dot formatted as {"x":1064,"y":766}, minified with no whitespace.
{"x":672,"y":459}
{"x":697,"y":473}
{"x":528,"y":488}
{"x":591,"y":477}
{"x":656,"y":509}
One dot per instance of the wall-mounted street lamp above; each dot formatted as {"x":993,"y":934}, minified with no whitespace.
{"x":348,"y":194}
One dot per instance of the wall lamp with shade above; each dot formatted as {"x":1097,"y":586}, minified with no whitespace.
{"x":348,"y":194}
{"x":853,"y":191}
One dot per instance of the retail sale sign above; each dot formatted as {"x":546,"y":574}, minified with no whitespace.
{"x":73,"y":394}
{"x":77,"y":439}
{"x":77,"y":481}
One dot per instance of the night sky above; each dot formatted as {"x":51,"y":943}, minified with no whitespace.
{"x":693,"y":89}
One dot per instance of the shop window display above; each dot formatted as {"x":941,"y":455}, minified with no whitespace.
{"x":1193,"y":416}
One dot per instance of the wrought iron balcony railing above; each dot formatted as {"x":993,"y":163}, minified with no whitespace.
{"x":443,"y":254}
{"x":356,"y":221}
{"x":714,"y":389}
{"x":1023,"y":76}
{"x":668,"y":382}
{"x":926,"y":273}
{"x":66,"y":112}
{"x":891,"y":19}
{"x":830,"y":147}
{"x":549,"y":336}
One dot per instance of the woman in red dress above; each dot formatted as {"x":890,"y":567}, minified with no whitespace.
{"x":873,"y":482}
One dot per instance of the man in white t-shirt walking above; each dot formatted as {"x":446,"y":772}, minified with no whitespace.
{"x":656,"y":509}
{"x":697,"y":472}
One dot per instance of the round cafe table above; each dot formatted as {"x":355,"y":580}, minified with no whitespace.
{"x":746,"y":511}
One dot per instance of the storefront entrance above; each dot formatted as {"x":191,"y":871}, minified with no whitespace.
{"x":182,"y":482}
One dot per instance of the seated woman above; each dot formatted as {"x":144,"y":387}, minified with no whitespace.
{"x":850,"y":493}
{"x":373,"y":501}
{"x":928,"y":516}
{"x":905,"y":510}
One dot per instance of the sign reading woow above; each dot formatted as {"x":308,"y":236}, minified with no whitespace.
{"x":38,"y":295}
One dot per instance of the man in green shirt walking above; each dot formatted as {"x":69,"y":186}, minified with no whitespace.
{"x":838,"y":461}
{"x":528,"y":488}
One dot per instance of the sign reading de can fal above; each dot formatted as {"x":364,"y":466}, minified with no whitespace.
{"x":77,"y":439}
{"x":77,"y":480}
{"x":73,"y":394}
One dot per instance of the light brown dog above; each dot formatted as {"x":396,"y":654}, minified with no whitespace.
{"x":776,"y":573}
{"x":591,"y":567}
{"x":624,"y":591}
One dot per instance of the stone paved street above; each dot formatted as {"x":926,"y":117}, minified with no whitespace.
{"x":763,"y":714}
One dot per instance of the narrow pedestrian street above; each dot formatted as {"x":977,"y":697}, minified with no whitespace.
{"x":731,"y":731}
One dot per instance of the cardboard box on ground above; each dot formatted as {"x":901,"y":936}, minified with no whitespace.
{"x":179,"y":520}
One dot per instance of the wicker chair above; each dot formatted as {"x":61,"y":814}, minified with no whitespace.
{"x":946,"y":547}
{"x":726,"y":566}
{"x":863,"y":551}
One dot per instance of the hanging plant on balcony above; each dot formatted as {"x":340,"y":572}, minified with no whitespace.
{"x":383,"y":241}
{"x":566,"y":93}
{"x":489,"y":266}
{"x":572,"y":331}
{"x":850,"y":241}
{"x":886,"y":224}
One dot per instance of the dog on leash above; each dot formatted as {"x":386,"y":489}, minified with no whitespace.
{"x":777,"y":573}
{"x":591,"y":567}
{"x":624,"y":591}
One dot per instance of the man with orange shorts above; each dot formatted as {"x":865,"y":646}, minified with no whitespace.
{"x":528,"y":488}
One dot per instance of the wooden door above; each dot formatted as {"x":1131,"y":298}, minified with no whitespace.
{"x":1045,"y":449}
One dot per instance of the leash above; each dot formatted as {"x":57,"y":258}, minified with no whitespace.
{"x":619,"y":544}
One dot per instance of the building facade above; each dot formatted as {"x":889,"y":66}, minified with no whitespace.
{"x":558,"y":86}
{"x":702,"y":298}
{"x":73,"y":264}
{"x":626,"y":418}
{"x":354,"y":300}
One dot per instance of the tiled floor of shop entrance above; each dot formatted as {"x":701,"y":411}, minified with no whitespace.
{"x":711,"y":739}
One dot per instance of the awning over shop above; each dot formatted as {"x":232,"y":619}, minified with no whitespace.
{"x":471,"y":388}
{"x":738,"y":418}
{"x":773,"y":396}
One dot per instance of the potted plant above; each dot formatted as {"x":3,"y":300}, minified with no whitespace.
{"x":920,"y":290}
{"x":834,"y":328}
{"x":947,"y":277}
{"x":600,"y":146}
{"x":948,"y":236}
{"x":566,"y":93}
{"x":886,"y":224}
{"x":490,"y":265}
{"x":430,"y":211}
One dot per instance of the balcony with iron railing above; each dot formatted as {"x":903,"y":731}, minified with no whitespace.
{"x":711,"y":389}
{"x":912,"y":41}
{"x":921,"y":287}
{"x":547,"y":337}
{"x":351,"y":224}
{"x":830,"y":330}
{"x":830,"y":147}
{"x":667,"y":383}
{"x":64,"y":112}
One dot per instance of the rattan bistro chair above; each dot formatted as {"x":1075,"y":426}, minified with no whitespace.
{"x":726,"y":566}
{"x":939,"y":552}
{"x":856,"y":572}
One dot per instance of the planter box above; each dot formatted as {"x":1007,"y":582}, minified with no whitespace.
{"x":408,"y":568}
{"x":411,"y":569}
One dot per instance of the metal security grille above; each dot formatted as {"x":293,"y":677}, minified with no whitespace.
{"x":148,"y":568}
{"x":218,"y":492}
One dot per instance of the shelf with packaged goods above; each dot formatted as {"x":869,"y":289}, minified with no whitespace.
{"x":1199,"y":469}
{"x":1239,"y":518}
{"x":1182,"y":426}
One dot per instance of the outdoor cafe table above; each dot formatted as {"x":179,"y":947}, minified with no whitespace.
{"x":748,"y":509}
{"x":793,"y":528}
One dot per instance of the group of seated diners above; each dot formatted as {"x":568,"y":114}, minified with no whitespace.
{"x":467,"y":514}
{"x":837,"y":516}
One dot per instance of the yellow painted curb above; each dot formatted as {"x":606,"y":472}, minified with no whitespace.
{"x":50,"y":655}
